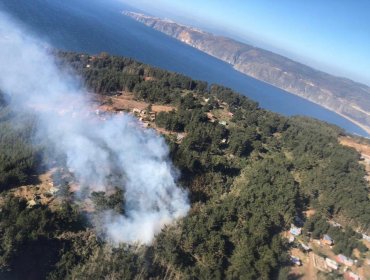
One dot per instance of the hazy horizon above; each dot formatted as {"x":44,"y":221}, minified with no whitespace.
{"x":330,"y":36}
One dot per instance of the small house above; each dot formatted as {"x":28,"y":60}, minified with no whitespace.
{"x":295,"y":260}
{"x":327,"y":240}
{"x":344,"y":260}
{"x":224,"y":123}
{"x":351,"y":276}
{"x":305,"y":247}
{"x":366,"y":237}
{"x":331,"y":263}
{"x":295,"y":230}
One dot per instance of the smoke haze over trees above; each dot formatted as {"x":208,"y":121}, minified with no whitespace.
{"x":101,"y":154}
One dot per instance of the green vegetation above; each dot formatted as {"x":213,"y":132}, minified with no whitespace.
{"x":103,"y":202}
{"x":18,"y":157}
{"x":331,"y":177}
{"x":30,"y":240}
{"x":249,"y":172}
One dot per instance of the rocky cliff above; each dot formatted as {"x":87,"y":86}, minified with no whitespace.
{"x":346,"y":97}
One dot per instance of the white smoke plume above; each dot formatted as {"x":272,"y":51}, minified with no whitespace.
{"x":93,"y":148}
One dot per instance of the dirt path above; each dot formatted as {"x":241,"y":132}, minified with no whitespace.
{"x":311,"y":273}
{"x":307,"y":271}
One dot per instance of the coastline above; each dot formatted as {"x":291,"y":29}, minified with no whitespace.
{"x":234,"y":66}
{"x":360,"y":125}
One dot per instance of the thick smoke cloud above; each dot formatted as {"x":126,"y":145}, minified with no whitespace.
{"x":94,"y":148}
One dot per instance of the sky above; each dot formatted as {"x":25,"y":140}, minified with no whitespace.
{"x":330,"y":35}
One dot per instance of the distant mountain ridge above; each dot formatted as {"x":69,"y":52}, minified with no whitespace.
{"x":343,"y":96}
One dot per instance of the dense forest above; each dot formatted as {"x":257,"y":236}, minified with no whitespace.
{"x":18,"y":157}
{"x":249,"y":172}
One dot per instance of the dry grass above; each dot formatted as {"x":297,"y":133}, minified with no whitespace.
{"x":42,"y":192}
{"x":309,"y":213}
{"x":162,"y":108}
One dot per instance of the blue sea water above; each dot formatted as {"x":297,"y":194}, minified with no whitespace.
{"x":93,"y":26}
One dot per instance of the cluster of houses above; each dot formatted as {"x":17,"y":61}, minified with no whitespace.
{"x":329,"y":265}
{"x":321,"y":263}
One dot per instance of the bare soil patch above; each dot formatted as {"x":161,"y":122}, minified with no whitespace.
{"x":42,"y":193}
{"x":162,"y":108}
{"x":125,"y":101}
{"x":306,"y":271}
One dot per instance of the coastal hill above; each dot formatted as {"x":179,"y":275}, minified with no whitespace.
{"x":343,"y":96}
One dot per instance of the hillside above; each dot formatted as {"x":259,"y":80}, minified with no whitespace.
{"x":250,"y":174}
{"x":343,"y":96}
